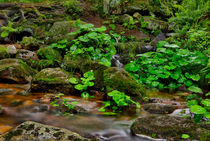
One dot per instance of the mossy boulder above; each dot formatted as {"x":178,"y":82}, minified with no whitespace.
{"x":140,"y":6}
{"x":33,"y":131}
{"x":15,"y":70}
{"x":155,"y":24}
{"x":3,"y":52}
{"x":49,"y":54}
{"x":159,"y":108}
{"x":129,"y":50}
{"x":59,"y":30}
{"x":30,"y":43}
{"x":118,"y":79}
{"x":169,"y":127}
{"x":82,"y":66}
{"x":52,"y":80}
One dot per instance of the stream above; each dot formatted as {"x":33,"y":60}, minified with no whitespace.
{"x":36,"y":107}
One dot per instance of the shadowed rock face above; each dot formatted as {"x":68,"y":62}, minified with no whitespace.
{"x":33,"y":131}
{"x":169,"y":127}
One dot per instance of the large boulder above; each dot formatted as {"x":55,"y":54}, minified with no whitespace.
{"x":155,"y":24}
{"x":82,"y":66}
{"x":15,"y":70}
{"x":118,"y":79}
{"x":49,"y":54}
{"x":59,"y":30}
{"x":33,"y":131}
{"x":52,"y":80}
{"x":169,"y":127}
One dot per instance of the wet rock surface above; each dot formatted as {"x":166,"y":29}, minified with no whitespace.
{"x":158,"y":108}
{"x":15,"y":70}
{"x":37,"y":132}
{"x":52,"y":80}
{"x":169,"y":127}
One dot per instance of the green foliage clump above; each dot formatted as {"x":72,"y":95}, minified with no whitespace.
{"x":73,"y":7}
{"x":6,"y":30}
{"x":83,"y":83}
{"x":199,"y":104}
{"x":168,"y":68}
{"x":91,"y":43}
{"x":118,"y":101}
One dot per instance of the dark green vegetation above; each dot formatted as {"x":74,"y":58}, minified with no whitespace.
{"x":111,"y":50}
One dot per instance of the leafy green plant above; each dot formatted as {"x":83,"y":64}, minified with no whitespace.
{"x":66,"y":102}
{"x":73,"y":7}
{"x":185,"y":136}
{"x":118,"y":101}
{"x":198,"y":103}
{"x":168,"y":68}
{"x":6,"y":30}
{"x":83,"y":83}
{"x":131,"y":24}
{"x":90,"y":43}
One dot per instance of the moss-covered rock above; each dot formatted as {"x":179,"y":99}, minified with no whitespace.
{"x":159,"y":108}
{"x":129,"y":50}
{"x":82,"y":66}
{"x":3,"y":52}
{"x":59,"y":30}
{"x":49,"y":54}
{"x":34,"y":131}
{"x":118,"y":79}
{"x":140,"y":6}
{"x":15,"y":70}
{"x":155,"y":24}
{"x":30,"y":43}
{"x":169,"y":127}
{"x":52,"y":80}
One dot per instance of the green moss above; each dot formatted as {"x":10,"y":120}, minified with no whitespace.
{"x":49,"y":54}
{"x":3,"y":52}
{"x":119,"y":79}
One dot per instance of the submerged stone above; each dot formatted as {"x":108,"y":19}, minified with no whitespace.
{"x":169,"y":127}
{"x":158,"y":108}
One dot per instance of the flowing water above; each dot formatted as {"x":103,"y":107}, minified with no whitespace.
{"x":36,"y":107}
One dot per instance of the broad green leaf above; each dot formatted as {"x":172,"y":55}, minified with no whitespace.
{"x":195,"y":77}
{"x":208,"y":75}
{"x":185,"y":136}
{"x":191,"y":103}
{"x":206,"y":102}
{"x":207,"y":94}
{"x":196,"y":109}
{"x":73,"y":80}
{"x":195,"y":89}
{"x":207,"y":115}
{"x":80,"y":87}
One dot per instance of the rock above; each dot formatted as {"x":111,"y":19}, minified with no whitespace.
{"x":118,"y":79}
{"x":26,"y":55}
{"x":52,"y":80}
{"x":3,"y":52}
{"x":124,"y":19}
{"x":140,"y":6}
{"x":155,"y":24}
{"x":34,"y":131}
{"x":11,"y":49}
{"x":59,"y":30}
{"x":15,"y":70}
{"x":169,"y":127}
{"x":23,"y":93}
{"x":16,"y":103}
{"x":137,"y":16}
{"x":40,"y":108}
{"x":129,"y":50}
{"x":160,"y":37}
{"x":82,"y":66}
{"x":49,"y":54}
{"x":6,"y":91}
{"x":30,"y":43}
{"x":158,"y":108}
{"x":74,"y":110}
